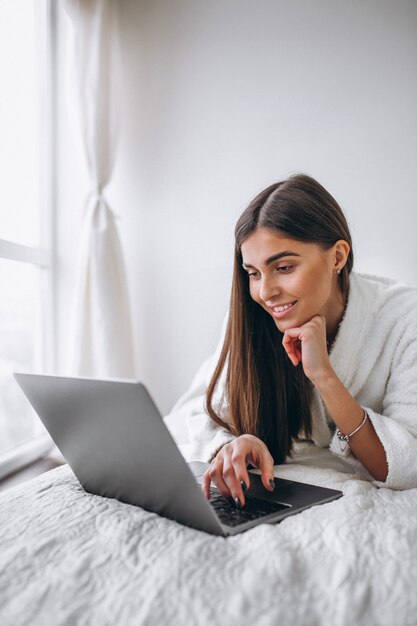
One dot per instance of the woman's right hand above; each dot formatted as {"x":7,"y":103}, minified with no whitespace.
{"x":228,"y":470}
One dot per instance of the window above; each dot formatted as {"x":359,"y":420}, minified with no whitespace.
{"x":26,"y":267}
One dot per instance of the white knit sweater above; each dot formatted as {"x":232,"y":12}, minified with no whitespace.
{"x":375,"y":357}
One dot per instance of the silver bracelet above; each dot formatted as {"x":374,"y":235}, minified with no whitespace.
{"x":347,"y":437}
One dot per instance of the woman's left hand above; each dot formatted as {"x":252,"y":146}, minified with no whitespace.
{"x":307,"y":344}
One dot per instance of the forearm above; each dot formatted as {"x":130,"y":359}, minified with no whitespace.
{"x":347,"y":414}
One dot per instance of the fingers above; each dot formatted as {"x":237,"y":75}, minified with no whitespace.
{"x":214,"y":474}
{"x":228,"y":472}
{"x":236,"y":475}
{"x":263,"y":460}
{"x":294,"y":337}
{"x":292,"y":345}
{"x":267,"y":471}
{"x":206,"y":484}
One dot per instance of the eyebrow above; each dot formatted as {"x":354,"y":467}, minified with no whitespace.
{"x":274,"y":257}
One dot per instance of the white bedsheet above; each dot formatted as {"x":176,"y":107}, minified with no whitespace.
{"x":67,"y":557}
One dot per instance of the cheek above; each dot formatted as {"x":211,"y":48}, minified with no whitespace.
{"x":254,"y":291}
{"x":316,"y":287}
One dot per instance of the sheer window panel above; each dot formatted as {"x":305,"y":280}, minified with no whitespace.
{"x":21,"y":341}
{"x":19,"y":121}
{"x":27,"y":127}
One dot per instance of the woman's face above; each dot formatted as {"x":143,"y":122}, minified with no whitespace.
{"x":293,"y":280}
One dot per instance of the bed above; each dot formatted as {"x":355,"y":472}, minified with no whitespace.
{"x":68,"y":557}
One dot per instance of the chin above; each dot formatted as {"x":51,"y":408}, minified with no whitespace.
{"x":283,"y":326}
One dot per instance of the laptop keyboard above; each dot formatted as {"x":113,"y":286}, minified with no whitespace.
{"x":253,"y":509}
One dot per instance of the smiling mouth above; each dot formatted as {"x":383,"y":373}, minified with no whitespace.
{"x":282,"y":309}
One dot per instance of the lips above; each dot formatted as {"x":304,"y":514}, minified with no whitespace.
{"x":283,"y":309}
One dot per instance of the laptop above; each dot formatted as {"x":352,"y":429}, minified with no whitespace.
{"x":115,"y":441}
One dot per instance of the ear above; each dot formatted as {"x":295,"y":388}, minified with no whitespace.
{"x":341,"y":253}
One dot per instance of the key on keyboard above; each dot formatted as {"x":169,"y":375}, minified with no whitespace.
{"x":253,"y":509}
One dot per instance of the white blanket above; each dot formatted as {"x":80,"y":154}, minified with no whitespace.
{"x":67,"y":557}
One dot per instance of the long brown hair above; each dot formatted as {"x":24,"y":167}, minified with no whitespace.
{"x":264,"y":394}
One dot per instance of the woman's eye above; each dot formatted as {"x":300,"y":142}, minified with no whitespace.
{"x":283,"y":269}
{"x":253,"y":274}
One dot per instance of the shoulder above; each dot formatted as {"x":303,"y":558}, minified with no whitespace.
{"x":388,"y":304}
{"x":379,"y":320}
{"x":383,"y":294}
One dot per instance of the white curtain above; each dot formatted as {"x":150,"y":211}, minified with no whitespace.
{"x":101,"y":339}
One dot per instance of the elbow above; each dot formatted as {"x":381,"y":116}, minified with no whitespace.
{"x":379,"y":468}
{"x":380,"y":474}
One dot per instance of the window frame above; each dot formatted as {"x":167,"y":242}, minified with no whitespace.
{"x":44,"y":255}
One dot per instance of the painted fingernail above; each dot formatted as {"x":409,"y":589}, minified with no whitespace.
{"x":237,"y":503}
{"x":243,"y":485}
{"x":272,"y":483}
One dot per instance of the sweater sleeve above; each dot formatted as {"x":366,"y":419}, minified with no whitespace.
{"x":396,"y":425}
{"x":194,"y":431}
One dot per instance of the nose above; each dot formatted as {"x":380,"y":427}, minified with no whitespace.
{"x":268,"y":289}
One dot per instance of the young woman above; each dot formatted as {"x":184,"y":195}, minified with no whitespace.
{"x":311,"y":351}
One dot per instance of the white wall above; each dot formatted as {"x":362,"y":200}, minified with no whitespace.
{"x":222,"y":99}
